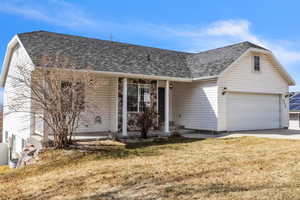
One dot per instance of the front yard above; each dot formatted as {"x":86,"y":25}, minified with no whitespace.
{"x":233,"y":168}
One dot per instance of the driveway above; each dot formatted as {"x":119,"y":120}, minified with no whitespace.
{"x":276,"y":133}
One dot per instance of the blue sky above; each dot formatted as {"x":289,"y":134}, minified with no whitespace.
{"x":172,"y":24}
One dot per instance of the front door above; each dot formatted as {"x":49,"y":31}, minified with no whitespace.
{"x":161,"y":104}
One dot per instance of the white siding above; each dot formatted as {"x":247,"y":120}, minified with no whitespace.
{"x":16,"y":123}
{"x":241,"y":77}
{"x":195,"y":105}
{"x":103,"y":101}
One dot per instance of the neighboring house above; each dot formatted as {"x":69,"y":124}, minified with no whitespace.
{"x":237,"y":87}
{"x":294,"y":103}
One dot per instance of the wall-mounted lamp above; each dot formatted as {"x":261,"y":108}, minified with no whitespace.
{"x":98,"y":120}
{"x":286,"y":95}
{"x":224,"y":91}
{"x":171,"y":86}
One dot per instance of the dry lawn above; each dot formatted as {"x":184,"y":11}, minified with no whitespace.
{"x":237,"y":168}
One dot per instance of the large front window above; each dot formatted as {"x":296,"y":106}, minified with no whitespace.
{"x":138,"y":97}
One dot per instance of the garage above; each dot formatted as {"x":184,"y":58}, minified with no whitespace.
{"x":247,"y":111}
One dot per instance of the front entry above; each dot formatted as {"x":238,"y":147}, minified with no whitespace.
{"x":161,"y":105}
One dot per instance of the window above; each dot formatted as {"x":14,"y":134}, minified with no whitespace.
{"x":256,"y":63}
{"x":294,"y":116}
{"x":132,"y":97}
{"x":144,"y":97}
{"x":138,"y":97}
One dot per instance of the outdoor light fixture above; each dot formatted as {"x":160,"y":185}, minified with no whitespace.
{"x":286,"y":95}
{"x":171,"y":86}
{"x":98,"y":120}
{"x":224,"y":90}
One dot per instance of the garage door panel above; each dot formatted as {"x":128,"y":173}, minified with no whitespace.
{"x":252,"y":111}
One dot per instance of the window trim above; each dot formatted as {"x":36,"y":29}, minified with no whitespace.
{"x":139,"y":95}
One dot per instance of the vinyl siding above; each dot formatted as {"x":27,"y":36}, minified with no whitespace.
{"x":195,"y":105}
{"x":104,"y":99}
{"x":241,"y":78}
{"x":18,"y":124}
{"x":101,"y":101}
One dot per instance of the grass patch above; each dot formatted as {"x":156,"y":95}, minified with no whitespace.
{"x":235,"y":168}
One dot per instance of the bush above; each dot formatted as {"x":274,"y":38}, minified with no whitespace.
{"x":146,"y":121}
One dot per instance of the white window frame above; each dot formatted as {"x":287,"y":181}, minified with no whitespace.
{"x":140,"y":85}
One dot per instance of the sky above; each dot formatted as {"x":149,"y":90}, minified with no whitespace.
{"x":190,"y":25}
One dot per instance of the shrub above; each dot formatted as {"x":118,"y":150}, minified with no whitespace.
{"x":146,"y":120}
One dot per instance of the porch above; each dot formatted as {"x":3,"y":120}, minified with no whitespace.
{"x":114,"y":105}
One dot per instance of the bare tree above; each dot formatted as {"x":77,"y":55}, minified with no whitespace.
{"x":146,"y":120}
{"x":55,"y":91}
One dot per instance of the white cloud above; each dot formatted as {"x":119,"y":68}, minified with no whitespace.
{"x":240,"y":30}
{"x":56,"y":12}
{"x":227,"y":32}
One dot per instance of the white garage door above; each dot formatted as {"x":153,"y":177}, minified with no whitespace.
{"x":252,"y":111}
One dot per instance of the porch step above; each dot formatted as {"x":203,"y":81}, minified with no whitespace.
{"x":186,"y":131}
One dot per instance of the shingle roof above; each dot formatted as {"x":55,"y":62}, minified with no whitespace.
{"x":295,"y":102}
{"x":102,"y":55}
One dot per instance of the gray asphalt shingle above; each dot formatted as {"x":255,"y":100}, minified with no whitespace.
{"x":102,"y":55}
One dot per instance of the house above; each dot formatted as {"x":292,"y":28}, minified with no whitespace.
{"x":237,"y":87}
{"x":294,"y":112}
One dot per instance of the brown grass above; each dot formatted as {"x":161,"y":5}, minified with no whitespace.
{"x":4,"y":169}
{"x":238,"y":168}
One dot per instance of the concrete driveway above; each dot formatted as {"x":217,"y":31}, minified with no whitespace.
{"x":274,"y":133}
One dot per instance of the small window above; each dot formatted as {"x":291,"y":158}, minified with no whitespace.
{"x":256,"y":63}
{"x":293,"y":116}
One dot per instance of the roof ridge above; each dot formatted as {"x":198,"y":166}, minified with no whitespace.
{"x":137,"y":45}
{"x":91,"y":38}
{"x":231,"y":45}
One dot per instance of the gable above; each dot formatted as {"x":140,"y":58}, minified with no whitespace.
{"x":213,"y":62}
{"x":242,"y":77}
{"x":15,"y":55}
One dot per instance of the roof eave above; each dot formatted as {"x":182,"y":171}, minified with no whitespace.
{"x":9,"y":50}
